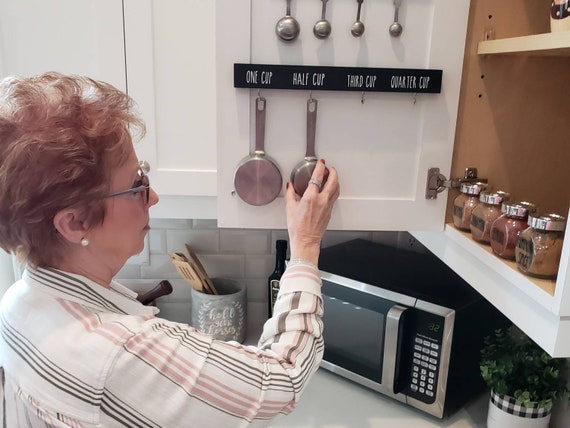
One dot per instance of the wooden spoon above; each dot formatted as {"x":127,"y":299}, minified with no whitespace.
{"x":200,"y":267}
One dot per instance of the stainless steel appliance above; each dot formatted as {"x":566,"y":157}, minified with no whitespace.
{"x":399,"y":321}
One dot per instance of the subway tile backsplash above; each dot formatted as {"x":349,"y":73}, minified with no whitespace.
{"x":247,"y":255}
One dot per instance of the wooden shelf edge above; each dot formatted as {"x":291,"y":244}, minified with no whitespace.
{"x":556,"y":43}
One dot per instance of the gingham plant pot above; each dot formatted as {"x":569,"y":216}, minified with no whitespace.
{"x":505,"y":412}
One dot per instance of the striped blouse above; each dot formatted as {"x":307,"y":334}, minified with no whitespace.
{"x":76,"y":354}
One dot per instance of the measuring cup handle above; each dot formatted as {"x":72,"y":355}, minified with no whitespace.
{"x":311,"y":126}
{"x":260,"y":124}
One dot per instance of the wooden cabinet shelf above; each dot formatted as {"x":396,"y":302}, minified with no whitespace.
{"x":546,"y":44}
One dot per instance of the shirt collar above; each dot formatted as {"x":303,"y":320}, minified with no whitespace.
{"x":118,"y":298}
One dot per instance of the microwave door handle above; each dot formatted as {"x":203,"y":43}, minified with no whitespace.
{"x":392,"y":339}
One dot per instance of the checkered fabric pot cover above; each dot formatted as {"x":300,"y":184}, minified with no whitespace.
{"x":509,"y":405}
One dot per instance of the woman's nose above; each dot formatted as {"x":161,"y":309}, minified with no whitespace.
{"x":153,"y":198}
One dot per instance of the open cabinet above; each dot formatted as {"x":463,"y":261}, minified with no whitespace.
{"x":514,"y":95}
{"x":509,"y":126}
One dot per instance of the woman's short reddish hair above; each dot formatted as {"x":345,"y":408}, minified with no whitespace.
{"x":61,"y":139}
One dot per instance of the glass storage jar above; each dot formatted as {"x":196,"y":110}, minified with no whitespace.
{"x":505,"y":230}
{"x":485,"y":214}
{"x":540,"y":245}
{"x":464,"y":203}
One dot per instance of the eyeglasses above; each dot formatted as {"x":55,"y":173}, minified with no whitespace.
{"x":141,"y":185}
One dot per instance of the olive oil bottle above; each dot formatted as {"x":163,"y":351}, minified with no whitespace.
{"x":275,"y":277}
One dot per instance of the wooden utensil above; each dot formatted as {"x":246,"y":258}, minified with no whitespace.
{"x":201,"y":270}
{"x":183,"y":267}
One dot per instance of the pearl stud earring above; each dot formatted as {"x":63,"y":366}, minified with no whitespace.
{"x":84,"y":242}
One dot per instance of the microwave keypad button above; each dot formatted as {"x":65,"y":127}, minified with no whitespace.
{"x":414,"y":387}
{"x":433,"y":353}
{"x":422,"y":390}
{"x":433,"y":360}
{"x":432,"y":367}
{"x":430,"y":380}
{"x":429,"y":393}
{"x":427,"y":343}
{"x":431,"y":374}
{"x":417,"y":347}
{"x":425,"y":350}
{"x":422,"y":384}
{"x":423,"y":378}
{"x":415,"y":368}
{"x":423,"y":364}
{"x":425,"y":358}
{"x":423,"y":371}
{"x":417,"y":355}
{"x":416,"y":360}
{"x":434,"y":346}
{"x":418,"y":340}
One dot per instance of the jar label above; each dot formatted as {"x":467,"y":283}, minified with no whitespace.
{"x":525,"y":252}
{"x":497,"y":235}
{"x":458,"y":211}
{"x":477,"y":223}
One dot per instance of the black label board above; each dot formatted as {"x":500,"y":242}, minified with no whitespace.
{"x":271,"y":76}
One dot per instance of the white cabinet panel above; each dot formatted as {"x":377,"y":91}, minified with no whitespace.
{"x":69,"y":36}
{"x":170,"y":59}
{"x":382,"y":144}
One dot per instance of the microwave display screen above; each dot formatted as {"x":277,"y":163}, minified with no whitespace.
{"x":354,"y":329}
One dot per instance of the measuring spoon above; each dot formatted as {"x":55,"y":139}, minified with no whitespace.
{"x":357,"y":29}
{"x":287,"y":28}
{"x":322,"y":28}
{"x":396,"y":28}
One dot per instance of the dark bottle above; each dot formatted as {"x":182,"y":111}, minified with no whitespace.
{"x":275,"y":277}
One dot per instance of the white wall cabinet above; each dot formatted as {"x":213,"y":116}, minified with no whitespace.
{"x":170,"y":60}
{"x":72,"y":37}
{"x":382,"y":143}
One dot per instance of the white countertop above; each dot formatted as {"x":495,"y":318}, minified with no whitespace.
{"x":331,"y":401}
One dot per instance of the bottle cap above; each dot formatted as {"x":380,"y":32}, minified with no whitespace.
{"x":519,"y":209}
{"x":472,"y":188}
{"x":494,"y":198}
{"x":553,"y":222}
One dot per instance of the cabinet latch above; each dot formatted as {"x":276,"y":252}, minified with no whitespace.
{"x":437,"y":182}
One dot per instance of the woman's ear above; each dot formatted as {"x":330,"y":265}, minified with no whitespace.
{"x":69,"y":224}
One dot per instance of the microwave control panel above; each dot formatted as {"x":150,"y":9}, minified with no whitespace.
{"x":426,"y":348}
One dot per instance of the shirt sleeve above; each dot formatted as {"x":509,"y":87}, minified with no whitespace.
{"x":168,"y":374}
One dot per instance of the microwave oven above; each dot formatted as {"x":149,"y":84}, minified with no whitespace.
{"x":399,"y":321}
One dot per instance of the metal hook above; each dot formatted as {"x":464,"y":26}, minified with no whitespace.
{"x":414,"y":97}
{"x":362,"y":99}
{"x":258,"y":93}
{"x":311,"y":96}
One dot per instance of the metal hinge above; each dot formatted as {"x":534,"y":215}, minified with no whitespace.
{"x":437,"y":182}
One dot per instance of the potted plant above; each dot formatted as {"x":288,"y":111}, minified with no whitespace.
{"x":524,"y":380}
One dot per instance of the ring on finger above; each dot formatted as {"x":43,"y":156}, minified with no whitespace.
{"x":316,"y":182}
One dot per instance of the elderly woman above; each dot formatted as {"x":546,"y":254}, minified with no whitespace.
{"x":76,"y":347}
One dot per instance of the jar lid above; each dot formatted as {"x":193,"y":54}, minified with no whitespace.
{"x":472,"y":188}
{"x":519,"y":209}
{"x":494,"y":198}
{"x":554,"y":222}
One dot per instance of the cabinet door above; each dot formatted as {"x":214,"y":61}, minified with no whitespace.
{"x":382,"y":143}
{"x":69,"y":36}
{"x":170,"y":60}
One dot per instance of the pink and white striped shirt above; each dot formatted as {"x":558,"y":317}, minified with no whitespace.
{"x":76,"y":354}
